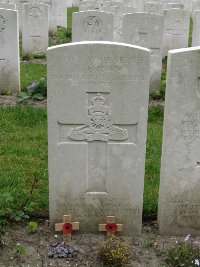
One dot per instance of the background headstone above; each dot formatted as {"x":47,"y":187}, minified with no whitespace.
{"x":176,"y":32}
{"x":179,"y":202}
{"x":146,"y":30}
{"x":92,"y":26}
{"x":97,"y":119}
{"x":35,"y":28}
{"x":9,"y":51}
{"x":62,"y":13}
{"x":196,"y":29}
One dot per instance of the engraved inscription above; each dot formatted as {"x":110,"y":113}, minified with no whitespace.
{"x":93,"y":24}
{"x":191,"y":127}
{"x":2,"y":24}
{"x":99,"y":127}
{"x":188,"y":211}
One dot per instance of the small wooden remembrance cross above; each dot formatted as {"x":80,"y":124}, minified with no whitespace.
{"x":111,"y":227}
{"x":67,"y":227}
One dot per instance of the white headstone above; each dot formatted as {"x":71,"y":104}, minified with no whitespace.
{"x":196,"y":29}
{"x":52,"y":4}
{"x":9,"y":51}
{"x":92,"y":26}
{"x":35,"y":28}
{"x":62,"y":13}
{"x":146,"y":30}
{"x":179,"y":203}
{"x":176,"y":33}
{"x":97,"y":119}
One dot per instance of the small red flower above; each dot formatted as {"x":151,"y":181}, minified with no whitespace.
{"x":67,"y":228}
{"x":111,"y":227}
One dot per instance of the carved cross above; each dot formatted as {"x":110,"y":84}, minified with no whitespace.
{"x":67,"y":227}
{"x":111,"y":227}
{"x":98,"y":133}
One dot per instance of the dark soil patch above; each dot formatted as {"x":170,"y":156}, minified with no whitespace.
{"x":149,"y":250}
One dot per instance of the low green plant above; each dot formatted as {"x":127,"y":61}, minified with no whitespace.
{"x":39,"y":55}
{"x":6,"y":92}
{"x":26,"y":57}
{"x":20,"y":250}
{"x":19,"y":215}
{"x":148,"y":243}
{"x":114,"y":252}
{"x":32,"y":227}
{"x":184,"y":254}
{"x":8,"y":210}
{"x":3,"y":223}
{"x":36,"y":91}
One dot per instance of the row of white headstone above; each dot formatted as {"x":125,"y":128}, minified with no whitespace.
{"x":156,"y":32}
{"x":35,"y":25}
{"x":56,"y":15}
{"x":97,"y":125}
{"x":140,"y":6}
{"x":97,"y":119}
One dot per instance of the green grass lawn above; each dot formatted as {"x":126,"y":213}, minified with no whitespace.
{"x":23,"y":153}
{"x":23,"y":149}
{"x":31,"y":73}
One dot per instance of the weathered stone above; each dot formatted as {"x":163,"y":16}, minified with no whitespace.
{"x":9,"y":51}
{"x":196,"y":29}
{"x":154,"y":8}
{"x":146,"y":30}
{"x":176,"y":33}
{"x":62,"y":13}
{"x":97,"y":117}
{"x":179,"y":202}
{"x":92,"y":26}
{"x":35,"y":28}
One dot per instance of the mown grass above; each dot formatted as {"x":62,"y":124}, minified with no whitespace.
{"x":153,"y":157}
{"x":23,"y":155}
{"x":32,"y":73}
{"x":23,"y":145}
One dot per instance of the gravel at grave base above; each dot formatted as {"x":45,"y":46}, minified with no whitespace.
{"x":11,"y":100}
{"x":148,"y":250}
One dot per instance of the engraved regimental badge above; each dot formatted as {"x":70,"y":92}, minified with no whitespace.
{"x":99,"y":127}
{"x":93,"y":24}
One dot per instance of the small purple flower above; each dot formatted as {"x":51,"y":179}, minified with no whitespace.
{"x":32,"y":87}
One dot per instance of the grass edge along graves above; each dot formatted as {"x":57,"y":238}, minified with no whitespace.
{"x":23,"y":154}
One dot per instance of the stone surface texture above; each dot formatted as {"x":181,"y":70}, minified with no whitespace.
{"x":8,"y":6}
{"x":196,"y":29}
{"x":35,"y":28}
{"x":9,"y":51}
{"x":146,"y":30}
{"x":62,"y":13}
{"x":92,"y":26}
{"x":176,"y":32}
{"x":179,"y":202}
{"x":97,"y":123}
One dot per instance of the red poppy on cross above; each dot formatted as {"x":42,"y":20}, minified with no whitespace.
{"x":67,"y":227}
{"x":111,"y":227}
